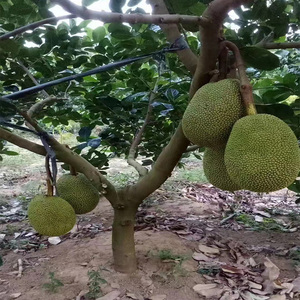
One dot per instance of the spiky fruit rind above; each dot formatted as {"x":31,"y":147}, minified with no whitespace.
{"x":51,"y":216}
{"x":262,"y":153}
{"x":209,"y":117}
{"x":79,"y":192}
{"x":215,"y":170}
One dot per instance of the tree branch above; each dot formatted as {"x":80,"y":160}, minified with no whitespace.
{"x":187,"y":57}
{"x":137,"y":139}
{"x":21,"y":142}
{"x":210,"y":39}
{"x":178,"y":144}
{"x":279,"y":45}
{"x":109,"y":17}
{"x":31,"y":77}
{"x":34,"y":25}
{"x":67,"y":156}
{"x":37,"y":107}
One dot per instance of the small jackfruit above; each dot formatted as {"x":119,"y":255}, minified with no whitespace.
{"x":262,"y":153}
{"x":79,"y":192}
{"x":209,"y":117}
{"x":215,"y":170}
{"x":52,"y":216}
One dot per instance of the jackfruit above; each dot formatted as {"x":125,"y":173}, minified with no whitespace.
{"x":262,"y":153}
{"x":215,"y":170}
{"x":78,"y":191}
{"x":209,"y":117}
{"x":52,"y":216}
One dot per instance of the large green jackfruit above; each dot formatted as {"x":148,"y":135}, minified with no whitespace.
{"x":209,"y":117}
{"x":79,"y":192}
{"x":262,"y":153}
{"x":215,"y":170}
{"x":52,"y":216}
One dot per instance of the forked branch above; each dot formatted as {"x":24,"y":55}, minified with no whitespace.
{"x":138,"y":137}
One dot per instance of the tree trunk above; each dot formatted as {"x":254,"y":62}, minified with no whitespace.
{"x":123,"y":239}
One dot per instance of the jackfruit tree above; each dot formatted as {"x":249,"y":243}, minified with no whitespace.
{"x":199,"y":50}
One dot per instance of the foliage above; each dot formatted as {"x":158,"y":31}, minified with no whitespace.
{"x":53,"y":285}
{"x":117,"y":100}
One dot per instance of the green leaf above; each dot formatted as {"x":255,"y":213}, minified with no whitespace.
{"x":277,"y":7}
{"x":99,"y":34}
{"x":87,"y":2}
{"x":119,"y":31}
{"x":9,"y":152}
{"x":281,"y":111}
{"x":295,"y":186}
{"x":260,"y":58}
{"x":133,"y":3}
{"x":7,"y":109}
{"x":277,"y":95}
{"x":21,"y":9}
{"x":10,"y":46}
{"x":116,"y":5}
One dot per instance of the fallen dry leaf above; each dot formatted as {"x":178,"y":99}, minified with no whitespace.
{"x":54,"y":240}
{"x":110,"y":296}
{"x":132,"y":296}
{"x":232,"y":270}
{"x":159,"y":297}
{"x":250,"y":296}
{"x":272,"y":271}
{"x":258,"y":219}
{"x":15,"y":295}
{"x":296,"y":283}
{"x":254,"y":285}
{"x":278,"y":297}
{"x":287,"y":288}
{"x":208,"y":250}
{"x":200,"y":257}
{"x":208,"y":290}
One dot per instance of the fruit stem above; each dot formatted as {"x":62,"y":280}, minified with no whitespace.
{"x":49,"y":179}
{"x":245,"y":86}
{"x":72,"y":170}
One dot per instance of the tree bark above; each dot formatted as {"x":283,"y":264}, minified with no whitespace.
{"x":123,"y":245}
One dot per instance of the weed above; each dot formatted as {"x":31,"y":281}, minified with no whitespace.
{"x":53,"y":285}
{"x":95,"y":281}
{"x":211,"y":271}
{"x":267,"y":224}
{"x":167,"y":254}
{"x":11,"y":229}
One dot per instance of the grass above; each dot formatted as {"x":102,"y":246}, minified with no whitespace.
{"x":191,"y":175}
{"x":54,"y":284}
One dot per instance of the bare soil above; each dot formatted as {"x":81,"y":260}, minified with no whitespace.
{"x":171,"y":224}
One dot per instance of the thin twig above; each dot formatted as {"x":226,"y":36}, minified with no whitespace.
{"x":20,"y":267}
{"x":228,"y":218}
{"x":192,"y":148}
{"x":33,"y":26}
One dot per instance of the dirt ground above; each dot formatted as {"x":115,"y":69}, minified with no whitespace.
{"x":193,"y":241}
